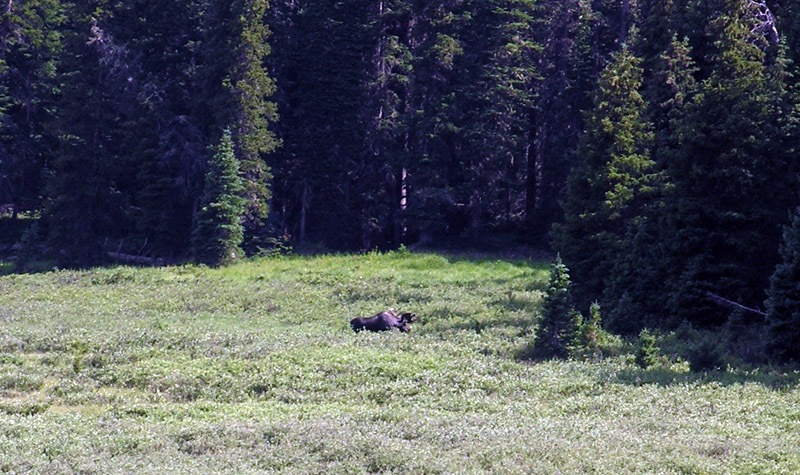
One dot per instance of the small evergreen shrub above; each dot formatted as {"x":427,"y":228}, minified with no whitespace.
{"x":590,"y":331}
{"x":646,"y":350}
{"x":557,"y":335}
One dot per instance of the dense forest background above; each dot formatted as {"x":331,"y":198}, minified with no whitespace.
{"x":653,"y":144}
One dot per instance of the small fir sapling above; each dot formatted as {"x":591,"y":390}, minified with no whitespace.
{"x":591,"y":331}
{"x":559,"y":327}
{"x":646,"y":350}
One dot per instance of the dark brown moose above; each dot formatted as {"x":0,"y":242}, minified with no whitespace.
{"x":384,"y":321}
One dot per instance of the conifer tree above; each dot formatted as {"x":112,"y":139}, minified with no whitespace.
{"x":319,"y":171}
{"x":783,"y":304}
{"x":730,"y":193}
{"x":563,"y":92}
{"x":559,"y":326}
{"x":498,"y":127}
{"x":609,"y":186}
{"x":637,"y":293}
{"x":31,"y":42}
{"x":238,"y":88}
{"x":169,"y":138}
{"x":218,"y":232}
{"x":87,"y":187}
{"x":590,"y":331}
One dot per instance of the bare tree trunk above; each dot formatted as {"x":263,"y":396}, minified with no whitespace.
{"x":303,"y":207}
{"x":402,"y":195}
{"x":403,"y":190}
{"x":531,"y":171}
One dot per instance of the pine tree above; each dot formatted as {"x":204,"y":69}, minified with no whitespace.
{"x":730,"y":192}
{"x":783,"y":304}
{"x":445,"y":66}
{"x":319,"y":170}
{"x":237,"y":91}
{"x":644,"y":270}
{"x":383,"y":174}
{"x":218,"y":233}
{"x":563,"y":92}
{"x":30,"y":47}
{"x":608,"y":189}
{"x":559,"y":326}
{"x":167,"y":138}
{"x":498,"y":128}
{"x":87,"y":188}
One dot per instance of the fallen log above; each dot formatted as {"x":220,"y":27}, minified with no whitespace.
{"x":150,"y":261}
{"x":734,"y":305}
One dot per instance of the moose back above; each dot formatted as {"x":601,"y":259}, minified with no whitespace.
{"x":384,"y":321}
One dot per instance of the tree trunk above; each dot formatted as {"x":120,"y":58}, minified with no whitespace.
{"x":402,"y":194}
{"x":624,"y":21}
{"x":531,"y":172}
{"x":303,"y":209}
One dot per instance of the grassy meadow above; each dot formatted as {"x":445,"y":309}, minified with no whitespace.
{"x":253,"y":368}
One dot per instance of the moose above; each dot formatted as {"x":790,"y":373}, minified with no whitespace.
{"x":384,"y":321}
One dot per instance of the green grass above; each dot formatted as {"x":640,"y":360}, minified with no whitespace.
{"x":253,"y":368}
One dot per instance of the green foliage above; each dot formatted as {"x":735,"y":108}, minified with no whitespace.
{"x":326,"y":168}
{"x":705,"y":355}
{"x":559,"y":326}
{"x":647,"y":352}
{"x":89,"y":187}
{"x":607,"y":190}
{"x":236,"y":51}
{"x":218,"y":233}
{"x":591,"y":331}
{"x":31,"y":42}
{"x":783,"y":304}
{"x":725,"y":209}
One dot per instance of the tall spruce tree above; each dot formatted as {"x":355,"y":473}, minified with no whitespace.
{"x":608,"y":189}
{"x":325,"y":124}
{"x":499,"y":127}
{"x":444,"y":68}
{"x":88,"y":186}
{"x":30,"y":48}
{"x":643,"y":271}
{"x":218,"y":232}
{"x":562,"y":94}
{"x":168,"y":138}
{"x":383,"y":174}
{"x":783,"y":304}
{"x":237,"y":93}
{"x":730,"y":189}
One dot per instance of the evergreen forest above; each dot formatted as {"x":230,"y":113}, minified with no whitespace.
{"x":653,"y":144}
